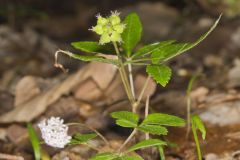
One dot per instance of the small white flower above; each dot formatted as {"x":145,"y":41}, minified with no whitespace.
{"x":54,"y":132}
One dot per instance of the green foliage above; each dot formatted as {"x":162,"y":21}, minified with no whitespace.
{"x":163,"y":119}
{"x":198,"y":124}
{"x":161,"y":152}
{"x":150,"y":48}
{"x":104,"y":156}
{"x":91,"y":58}
{"x":126,"y":119}
{"x":147,"y":143}
{"x":160,"y":73}
{"x":190,"y":84}
{"x":82,"y":138}
{"x":132,"y":33}
{"x":34,"y":141}
{"x":112,"y":156}
{"x":153,"y":129}
{"x":127,"y":157}
{"x":93,"y":47}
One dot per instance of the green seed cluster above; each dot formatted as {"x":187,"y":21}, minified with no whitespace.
{"x":109,"y":28}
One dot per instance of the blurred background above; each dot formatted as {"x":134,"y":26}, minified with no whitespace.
{"x":31,"y":31}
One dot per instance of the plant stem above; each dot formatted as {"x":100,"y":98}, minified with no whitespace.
{"x":146,"y":114}
{"x":143,"y":90}
{"x":128,"y":139}
{"x":131,"y":79}
{"x":197,"y":142}
{"x":92,"y":147}
{"x":124,"y":75}
{"x":92,"y":129}
{"x":188,"y":116}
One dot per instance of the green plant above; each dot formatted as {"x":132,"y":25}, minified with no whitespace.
{"x":197,"y":124}
{"x":189,"y":103}
{"x":120,"y":39}
{"x":34,"y":141}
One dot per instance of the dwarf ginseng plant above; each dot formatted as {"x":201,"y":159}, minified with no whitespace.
{"x":120,"y":39}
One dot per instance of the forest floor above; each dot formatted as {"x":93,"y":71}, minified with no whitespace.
{"x":32,"y":89}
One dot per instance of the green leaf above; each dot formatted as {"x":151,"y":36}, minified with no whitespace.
{"x":34,"y":141}
{"x":161,"y":152}
{"x":147,"y":143}
{"x":104,"y":156}
{"x":93,"y":47}
{"x":160,"y":73}
{"x":163,"y":119}
{"x":198,"y":124}
{"x":153,"y":129}
{"x":171,"y":50}
{"x":127,"y":157}
{"x":126,"y":119}
{"x":148,"y":49}
{"x":91,"y":58}
{"x":132,"y":33}
{"x":82,"y":138}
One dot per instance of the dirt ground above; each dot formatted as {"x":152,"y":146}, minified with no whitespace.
{"x":32,"y":89}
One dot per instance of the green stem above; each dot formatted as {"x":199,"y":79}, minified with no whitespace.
{"x":197,"y":142}
{"x":127,"y":140}
{"x":124,"y":75}
{"x":146,"y":114}
{"x":143,"y":90}
{"x":131,"y":79}
{"x":188,"y":116}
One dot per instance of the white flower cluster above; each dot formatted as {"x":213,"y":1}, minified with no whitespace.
{"x":54,"y":132}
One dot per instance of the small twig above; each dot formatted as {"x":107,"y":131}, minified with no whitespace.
{"x":10,"y":157}
{"x":128,"y":139}
{"x":146,"y":114}
{"x":92,"y":147}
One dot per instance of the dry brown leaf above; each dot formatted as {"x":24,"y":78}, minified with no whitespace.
{"x":88,"y":91}
{"x":35,"y":107}
{"x":26,"y":89}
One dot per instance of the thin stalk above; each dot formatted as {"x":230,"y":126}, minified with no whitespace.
{"x":92,"y":147}
{"x":124,"y":75}
{"x":197,"y":142}
{"x":131,"y":79}
{"x":146,"y":114}
{"x":128,"y":139}
{"x":188,"y":116}
{"x":92,"y":129}
{"x":143,"y":90}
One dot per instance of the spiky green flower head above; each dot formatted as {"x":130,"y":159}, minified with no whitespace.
{"x":109,"y":28}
